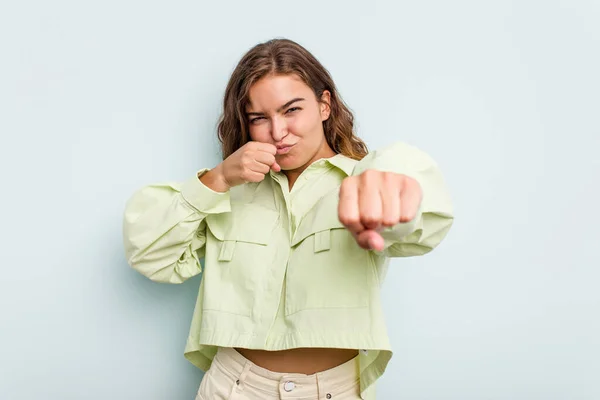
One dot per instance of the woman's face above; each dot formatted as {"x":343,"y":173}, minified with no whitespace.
{"x":285,"y":112}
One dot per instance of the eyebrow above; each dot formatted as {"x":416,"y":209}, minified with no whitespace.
{"x":286,"y":105}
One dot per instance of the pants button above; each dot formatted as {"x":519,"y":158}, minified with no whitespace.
{"x":289,"y":386}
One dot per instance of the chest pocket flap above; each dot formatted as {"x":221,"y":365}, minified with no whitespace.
{"x":248,"y":223}
{"x":319,"y":221}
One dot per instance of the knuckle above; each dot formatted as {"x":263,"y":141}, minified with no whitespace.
{"x":407,"y":217}
{"x":350,"y":180}
{"x":367,"y":219}
{"x":389,"y":177}
{"x":415,"y":184}
{"x":370,"y":173}
{"x":347,"y":185}
{"x":370,"y":220}
{"x":347,"y":220}
{"x":388,"y":221}
{"x":407,"y":181}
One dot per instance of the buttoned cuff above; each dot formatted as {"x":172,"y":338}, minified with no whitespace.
{"x":203,"y":198}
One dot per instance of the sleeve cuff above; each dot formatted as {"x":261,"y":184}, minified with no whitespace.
{"x":204,"y":199}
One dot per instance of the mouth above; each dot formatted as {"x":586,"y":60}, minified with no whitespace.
{"x":284,"y":149}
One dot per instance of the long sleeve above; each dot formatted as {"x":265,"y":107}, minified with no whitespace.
{"x":435,"y":216}
{"x":164,"y":228}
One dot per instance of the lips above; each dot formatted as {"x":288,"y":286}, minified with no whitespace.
{"x":284,"y":148}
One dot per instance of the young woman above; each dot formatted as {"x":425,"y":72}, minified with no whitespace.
{"x":296,"y":226}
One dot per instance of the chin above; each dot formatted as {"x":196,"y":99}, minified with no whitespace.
{"x":291,"y":161}
{"x":288,"y":165}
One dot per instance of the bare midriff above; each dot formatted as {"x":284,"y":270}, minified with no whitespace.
{"x":301,"y":360}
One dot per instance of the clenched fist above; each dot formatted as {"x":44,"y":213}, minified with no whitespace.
{"x":249,"y":163}
{"x":375,"y":200}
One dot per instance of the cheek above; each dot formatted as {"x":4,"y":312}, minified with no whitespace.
{"x":306,"y":126}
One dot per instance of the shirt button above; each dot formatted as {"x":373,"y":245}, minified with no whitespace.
{"x":289,"y":386}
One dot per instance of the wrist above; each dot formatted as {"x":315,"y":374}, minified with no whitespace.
{"x":215,"y":180}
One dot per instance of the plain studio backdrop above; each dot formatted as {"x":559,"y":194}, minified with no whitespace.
{"x":99,"y":98}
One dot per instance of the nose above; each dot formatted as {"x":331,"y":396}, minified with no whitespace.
{"x":278,"y":128}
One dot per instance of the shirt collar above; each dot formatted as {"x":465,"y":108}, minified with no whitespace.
{"x":342,"y":162}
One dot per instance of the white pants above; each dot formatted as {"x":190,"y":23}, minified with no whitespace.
{"x":233,"y":377}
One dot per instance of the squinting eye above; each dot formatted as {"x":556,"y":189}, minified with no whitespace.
{"x":255,"y":120}
{"x":292,"y":110}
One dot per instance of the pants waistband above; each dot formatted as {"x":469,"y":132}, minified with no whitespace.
{"x":275,"y":382}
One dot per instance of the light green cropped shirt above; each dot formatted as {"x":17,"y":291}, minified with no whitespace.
{"x":280,"y":270}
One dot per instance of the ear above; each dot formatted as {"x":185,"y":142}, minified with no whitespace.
{"x":325,"y":105}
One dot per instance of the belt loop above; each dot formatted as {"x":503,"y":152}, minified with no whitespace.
{"x":239,"y":383}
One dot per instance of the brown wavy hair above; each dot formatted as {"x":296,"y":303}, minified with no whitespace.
{"x":284,"y":57}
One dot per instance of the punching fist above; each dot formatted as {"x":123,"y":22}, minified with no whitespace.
{"x":375,"y":200}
